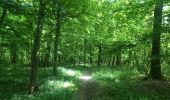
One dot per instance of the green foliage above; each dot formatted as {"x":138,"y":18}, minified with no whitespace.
{"x":121,"y":27}
{"x":14,"y":83}
{"x":115,"y":75}
{"x":126,"y":85}
{"x":110,"y":84}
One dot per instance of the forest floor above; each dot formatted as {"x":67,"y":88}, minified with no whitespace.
{"x":79,"y":83}
{"x":88,"y":88}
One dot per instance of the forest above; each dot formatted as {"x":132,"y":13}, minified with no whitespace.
{"x":84,"y":49}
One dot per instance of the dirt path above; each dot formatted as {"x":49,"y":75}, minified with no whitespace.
{"x":88,"y":88}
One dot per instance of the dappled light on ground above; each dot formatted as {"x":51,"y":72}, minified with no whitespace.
{"x":85,"y":77}
{"x":76,"y":83}
{"x":52,"y":88}
{"x":115,"y":75}
{"x":69,"y":72}
{"x":59,"y":84}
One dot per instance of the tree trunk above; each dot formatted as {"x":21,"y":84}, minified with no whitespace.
{"x":113,"y":59}
{"x":130,"y":58}
{"x":79,"y":57}
{"x":99,"y":55}
{"x":155,"y":68}
{"x":85,"y":52}
{"x":91,"y":55}
{"x":13,"y":52}
{"x":136,"y":61}
{"x":75,"y":54}
{"x":118,"y":57}
{"x":109,"y":59}
{"x":48,"y":50}
{"x":4,"y":13}
{"x":36,"y":47}
{"x":57,"y":37}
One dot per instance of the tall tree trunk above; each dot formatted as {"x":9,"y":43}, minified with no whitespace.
{"x":91,"y":55}
{"x":36,"y":47}
{"x":118,"y":57}
{"x":109,"y":59}
{"x":130,"y":58}
{"x":4,"y":13}
{"x":99,"y":55}
{"x":79,"y":57}
{"x":48,"y":50}
{"x":136,"y":61}
{"x":75,"y":54}
{"x":155,"y":68}
{"x":57,"y":36}
{"x":85,"y":52}
{"x":13,"y":52}
{"x":113,"y":59}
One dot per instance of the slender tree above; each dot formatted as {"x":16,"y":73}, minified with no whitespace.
{"x":36,"y":47}
{"x":57,"y":35}
{"x":155,"y":68}
{"x":48,"y":50}
{"x":85,"y":45}
{"x":99,"y":55}
{"x":13,"y":52}
{"x":4,"y":13}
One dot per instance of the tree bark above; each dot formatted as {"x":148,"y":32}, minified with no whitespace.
{"x":36,"y":47}
{"x":109,"y":60}
{"x":155,"y":68}
{"x":136,"y":61}
{"x":48,"y":50}
{"x":113,"y":59}
{"x":99,"y":55}
{"x":57,"y":36}
{"x":91,"y":55}
{"x":130,"y":58}
{"x":75,"y":53}
{"x":118,"y":57}
{"x":4,"y":13}
{"x":13,"y":52}
{"x":85,"y":52}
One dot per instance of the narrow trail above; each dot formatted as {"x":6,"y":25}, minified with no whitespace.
{"x":88,"y":88}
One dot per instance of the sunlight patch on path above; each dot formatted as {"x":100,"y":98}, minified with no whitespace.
{"x":85,"y":77}
{"x":88,"y":87}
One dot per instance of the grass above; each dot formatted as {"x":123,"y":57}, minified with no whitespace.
{"x":14,"y":82}
{"x":112,"y":84}
{"x":127,"y":85}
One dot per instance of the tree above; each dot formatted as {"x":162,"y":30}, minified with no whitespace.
{"x":155,"y":68}
{"x":36,"y":47}
{"x":4,"y":13}
{"x":57,"y":35}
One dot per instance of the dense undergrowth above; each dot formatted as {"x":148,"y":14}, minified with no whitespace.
{"x":113,"y":84}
